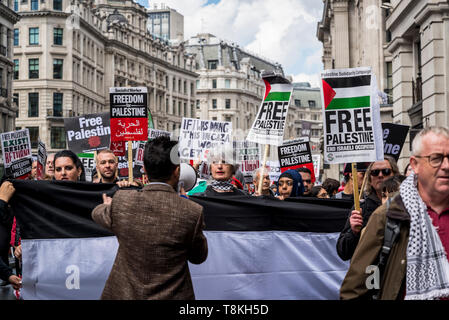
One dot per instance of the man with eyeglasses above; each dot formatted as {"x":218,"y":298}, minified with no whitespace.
{"x":417,"y":267}
{"x":370,"y":200}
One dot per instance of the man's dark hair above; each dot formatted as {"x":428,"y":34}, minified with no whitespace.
{"x":304,"y":169}
{"x":331,"y":186}
{"x":157,"y":158}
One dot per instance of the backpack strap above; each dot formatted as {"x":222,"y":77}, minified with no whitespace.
{"x":392,"y":231}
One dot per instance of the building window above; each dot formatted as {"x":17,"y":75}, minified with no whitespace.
{"x":57,"y":69}
{"x":214,"y":118}
{"x":57,"y":5}
{"x":16,"y":5}
{"x":34,"y":36}
{"x":33,"y":66}
{"x":212,"y":64}
{"x":57,"y":36}
{"x":297,"y":102}
{"x":197,"y":84}
{"x":228,"y":118}
{"x":227,"y":83}
{"x":16,"y":37}
{"x":197,"y":104}
{"x":179,"y":108}
{"x":33,"y":104}
{"x":312,"y":103}
{"x":57,"y":138}
{"x":34,"y":5}
{"x":57,"y":104}
{"x":214,"y":103}
{"x":16,"y":69}
{"x":34,"y":135}
{"x":389,"y":89}
{"x":214,"y":83}
{"x":15,"y":99}
{"x":228,"y":103}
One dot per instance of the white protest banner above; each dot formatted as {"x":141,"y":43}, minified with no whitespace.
{"x":17,"y":158}
{"x":248,"y":157}
{"x":351,"y":113}
{"x":268,"y":127}
{"x":198,"y":136}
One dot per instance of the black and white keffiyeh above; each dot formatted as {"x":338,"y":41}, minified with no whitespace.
{"x":222,"y":185}
{"x":427,"y":275}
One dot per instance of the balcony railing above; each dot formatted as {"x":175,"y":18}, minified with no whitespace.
{"x":57,"y":114}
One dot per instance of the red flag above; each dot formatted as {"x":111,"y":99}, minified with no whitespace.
{"x":328,"y":93}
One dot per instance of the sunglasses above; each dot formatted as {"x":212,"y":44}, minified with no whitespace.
{"x":385,"y":172}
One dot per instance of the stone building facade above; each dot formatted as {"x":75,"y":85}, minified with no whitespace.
{"x":69,"y":53}
{"x":354,"y":34}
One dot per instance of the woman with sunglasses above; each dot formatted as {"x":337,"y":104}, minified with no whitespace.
{"x":376,"y":173}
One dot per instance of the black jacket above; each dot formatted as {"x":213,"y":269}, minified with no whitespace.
{"x":347,"y":241}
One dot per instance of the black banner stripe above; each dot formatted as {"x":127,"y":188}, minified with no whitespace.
{"x":60,"y":209}
{"x":348,"y":82}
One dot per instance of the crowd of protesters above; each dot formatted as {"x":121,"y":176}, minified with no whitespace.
{"x":382,"y":188}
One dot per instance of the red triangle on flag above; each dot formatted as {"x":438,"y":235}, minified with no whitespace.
{"x":267,"y":88}
{"x":328,"y":93}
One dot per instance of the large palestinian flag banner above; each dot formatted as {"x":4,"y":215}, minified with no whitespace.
{"x":268,"y":127}
{"x":351,"y":113}
{"x":259,"y":249}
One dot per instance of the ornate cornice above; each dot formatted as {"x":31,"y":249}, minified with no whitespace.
{"x":9,"y":14}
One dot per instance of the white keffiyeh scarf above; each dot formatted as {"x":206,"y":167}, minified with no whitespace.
{"x":427,"y":275}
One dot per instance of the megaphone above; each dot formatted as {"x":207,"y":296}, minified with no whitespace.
{"x":187,"y":177}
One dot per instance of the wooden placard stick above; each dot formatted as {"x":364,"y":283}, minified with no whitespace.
{"x":355,"y":188}
{"x":130,"y":162}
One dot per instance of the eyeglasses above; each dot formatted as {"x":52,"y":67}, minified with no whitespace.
{"x":435,"y":159}
{"x":385,"y":172}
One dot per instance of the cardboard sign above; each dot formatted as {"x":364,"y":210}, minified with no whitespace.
{"x":268,"y":127}
{"x":197,"y":137}
{"x":17,"y":157}
{"x":316,"y":159}
{"x":275,"y":170}
{"x":394,"y":136}
{"x":129,"y":116}
{"x":351,"y":113}
{"x":41,"y":159}
{"x":138,"y":160}
{"x":88,"y":132}
{"x":294,"y":155}
{"x":248,"y":157}
{"x":88,"y":161}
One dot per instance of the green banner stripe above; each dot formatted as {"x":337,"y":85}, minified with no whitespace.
{"x":349,"y":103}
{"x":85,"y":155}
{"x":278,"y":96}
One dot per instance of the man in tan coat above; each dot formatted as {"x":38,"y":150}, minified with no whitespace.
{"x":157,"y":230}
{"x":417,"y":267}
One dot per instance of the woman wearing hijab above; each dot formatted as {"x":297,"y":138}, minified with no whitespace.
{"x":289,"y":185}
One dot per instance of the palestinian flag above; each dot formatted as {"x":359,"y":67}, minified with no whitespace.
{"x":259,"y":248}
{"x":277,"y":88}
{"x":347,"y":93}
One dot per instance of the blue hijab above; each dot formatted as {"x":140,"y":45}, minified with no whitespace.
{"x":298,"y":185}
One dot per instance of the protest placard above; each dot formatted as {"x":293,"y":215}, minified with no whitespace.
{"x":88,"y":132}
{"x":274,"y":170}
{"x":197,"y":137}
{"x":118,"y":148}
{"x":316,"y":159}
{"x":88,"y":161}
{"x":248,"y":157}
{"x":123,"y":163}
{"x":296,"y":154}
{"x":17,"y":157}
{"x":268,"y":127}
{"x":129,"y":116}
{"x":154,"y":133}
{"x":138,"y":160}
{"x":41,"y":159}
{"x":394,"y":136}
{"x":352,"y":129}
